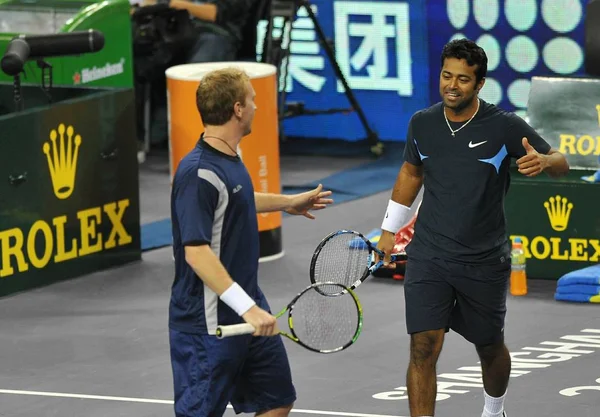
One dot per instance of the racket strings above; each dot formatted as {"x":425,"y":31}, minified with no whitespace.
{"x":325,"y":322}
{"x":343,"y":259}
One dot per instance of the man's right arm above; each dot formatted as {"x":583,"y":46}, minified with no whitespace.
{"x":210,"y":270}
{"x":226,"y":10}
{"x":406,"y":188}
{"x":410,"y":178}
{"x":208,"y":267}
{"x":206,"y":11}
{"x":408,"y":184}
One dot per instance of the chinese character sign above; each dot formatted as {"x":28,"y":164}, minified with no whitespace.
{"x":380,"y":47}
{"x":381,"y":59}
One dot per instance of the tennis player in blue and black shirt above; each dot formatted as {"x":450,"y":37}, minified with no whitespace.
{"x":460,"y":151}
{"x":216,"y":247}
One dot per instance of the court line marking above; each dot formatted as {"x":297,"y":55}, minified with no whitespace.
{"x":169,"y":402}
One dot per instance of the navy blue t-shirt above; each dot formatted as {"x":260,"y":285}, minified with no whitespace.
{"x":466,"y":178}
{"x":212,"y":202}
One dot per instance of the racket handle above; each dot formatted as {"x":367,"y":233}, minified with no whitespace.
{"x":379,"y":264}
{"x":393,"y":257}
{"x":234,"y":330}
{"x":376,"y":266}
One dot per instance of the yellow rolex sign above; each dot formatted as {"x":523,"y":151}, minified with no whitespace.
{"x":559,"y":210}
{"x":75,"y":208}
{"x":557,"y":221}
{"x":566,"y":112}
{"x":62,"y":155}
{"x":579,"y":249}
{"x":587,"y":144}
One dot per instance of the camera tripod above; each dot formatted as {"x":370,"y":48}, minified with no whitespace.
{"x":275,"y":52}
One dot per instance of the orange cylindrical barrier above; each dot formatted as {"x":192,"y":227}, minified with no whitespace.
{"x":259,"y":150}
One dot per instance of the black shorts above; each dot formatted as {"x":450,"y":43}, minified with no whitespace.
{"x":469,"y":299}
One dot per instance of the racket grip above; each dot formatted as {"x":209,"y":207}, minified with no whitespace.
{"x":234,"y":330}
{"x":376,"y":266}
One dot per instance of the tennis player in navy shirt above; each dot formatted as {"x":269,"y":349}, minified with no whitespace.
{"x":458,"y":265}
{"x":216,"y":247}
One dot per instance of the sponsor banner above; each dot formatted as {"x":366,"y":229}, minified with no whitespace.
{"x":566,"y":112}
{"x":70,"y":205}
{"x":87,"y":75}
{"x":558,"y":223}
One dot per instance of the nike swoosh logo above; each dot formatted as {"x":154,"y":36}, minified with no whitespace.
{"x":474,"y":145}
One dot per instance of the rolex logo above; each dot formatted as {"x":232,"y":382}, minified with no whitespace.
{"x":559,"y":211}
{"x":62,"y":159}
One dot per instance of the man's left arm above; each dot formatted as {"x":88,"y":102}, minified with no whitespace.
{"x":557,"y":165}
{"x":534,"y":154}
{"x":534,"y":163}
{"x":297,"y":204}
{"x":225,"y":11}
{"x":267,"y":202}
{"x":202,"y":11}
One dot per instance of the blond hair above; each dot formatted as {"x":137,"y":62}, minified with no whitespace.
{"x":218,"y":92}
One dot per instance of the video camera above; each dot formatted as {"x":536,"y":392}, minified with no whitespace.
{"x":160,"y":35}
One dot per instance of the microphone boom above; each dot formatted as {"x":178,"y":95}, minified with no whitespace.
{"x":25,"y":47}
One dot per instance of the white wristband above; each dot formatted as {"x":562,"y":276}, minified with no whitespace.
{"x":396,"y":216}
{"x":236,"y":298}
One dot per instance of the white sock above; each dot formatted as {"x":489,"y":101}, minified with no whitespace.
{"x":494,"y":406}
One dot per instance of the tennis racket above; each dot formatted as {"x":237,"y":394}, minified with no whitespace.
{"x":317,"y":320}
{"x":346,"y":257}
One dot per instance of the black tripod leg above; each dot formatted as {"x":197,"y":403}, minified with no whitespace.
{"x":372,"y":138}
{"x":275,"y":54}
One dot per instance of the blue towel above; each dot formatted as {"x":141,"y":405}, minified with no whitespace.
{"x":579,"y":286}
{"x":578,"y":289}
{"x":594,"y":178}
{"x":586,"y":276}
{"x":577,"y":298}
{"x":574,"y":280}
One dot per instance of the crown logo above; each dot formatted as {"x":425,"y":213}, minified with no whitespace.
{"x":62,"y":159}
{"x":559,"y":211}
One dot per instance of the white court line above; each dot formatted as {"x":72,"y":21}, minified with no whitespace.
{"x":153,"y":401}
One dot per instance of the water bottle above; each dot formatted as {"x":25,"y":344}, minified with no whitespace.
{"x":518,"y":275}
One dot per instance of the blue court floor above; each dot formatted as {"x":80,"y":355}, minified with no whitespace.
{"x":97,"y":346}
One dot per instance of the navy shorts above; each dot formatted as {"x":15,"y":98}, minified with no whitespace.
{"x":251,"y":373}
{"x":469,"y":299}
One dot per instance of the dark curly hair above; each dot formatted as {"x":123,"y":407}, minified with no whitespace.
{"x":469,"y":51}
